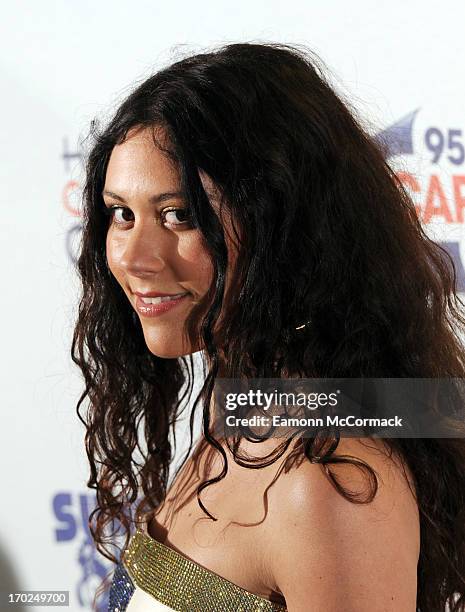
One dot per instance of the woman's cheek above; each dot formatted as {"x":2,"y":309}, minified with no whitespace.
{"x":114,"y":250}
{"x":196,"y":262}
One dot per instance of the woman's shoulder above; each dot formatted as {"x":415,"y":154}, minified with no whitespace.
{"x":321,"y":544}
{"x":307,"y":479}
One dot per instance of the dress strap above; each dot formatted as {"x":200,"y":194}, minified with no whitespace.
{"x":182,"y":584}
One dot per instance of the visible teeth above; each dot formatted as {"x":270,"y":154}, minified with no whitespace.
{"x":159,"y":300}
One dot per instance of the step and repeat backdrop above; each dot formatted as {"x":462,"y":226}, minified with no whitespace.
{"x":65,"y":63}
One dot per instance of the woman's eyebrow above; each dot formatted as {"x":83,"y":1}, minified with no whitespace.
{"x":154,"y":199}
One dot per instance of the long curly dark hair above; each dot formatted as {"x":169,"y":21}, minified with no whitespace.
{"x":328,"y":235}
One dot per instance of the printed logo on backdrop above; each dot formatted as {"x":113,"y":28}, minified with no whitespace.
{"x":71,"y":512}
{"x":71,"y":199}
{"x":437,"y":187}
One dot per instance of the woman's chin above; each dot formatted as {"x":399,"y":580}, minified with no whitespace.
{"x":167,"y":354}
{"x":169,"y":349}
{"x":167,"y":341}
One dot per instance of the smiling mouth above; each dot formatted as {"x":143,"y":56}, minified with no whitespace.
{"x":163,"y":298}
{"x":156,"y":306}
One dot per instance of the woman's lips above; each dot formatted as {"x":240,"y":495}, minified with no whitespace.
{"x":155,"y":310}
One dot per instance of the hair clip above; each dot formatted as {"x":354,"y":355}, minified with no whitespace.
{"x":303,"y":325}
{"x":289,"y":332}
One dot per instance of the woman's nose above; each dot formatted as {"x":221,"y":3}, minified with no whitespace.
{"x":145,"y":251}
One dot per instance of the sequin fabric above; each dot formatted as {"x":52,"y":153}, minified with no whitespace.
{"x":121,"y":590}
{"x":176,"y":581}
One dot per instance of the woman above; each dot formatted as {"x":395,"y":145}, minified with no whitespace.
{"x":240,"y":187}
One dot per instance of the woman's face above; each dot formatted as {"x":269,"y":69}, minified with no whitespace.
{"x":151,"y":246}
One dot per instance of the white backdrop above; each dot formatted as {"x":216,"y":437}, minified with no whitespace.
{"x":61,"y":63}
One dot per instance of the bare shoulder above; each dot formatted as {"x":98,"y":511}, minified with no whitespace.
{"x":327,"y":552}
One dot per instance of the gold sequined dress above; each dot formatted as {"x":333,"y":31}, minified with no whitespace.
{"x":152,"y":577}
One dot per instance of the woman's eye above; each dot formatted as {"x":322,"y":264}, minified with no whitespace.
{"x":120,"y":215}
{"x":114,"y":212}
{"x":176,"y":216}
